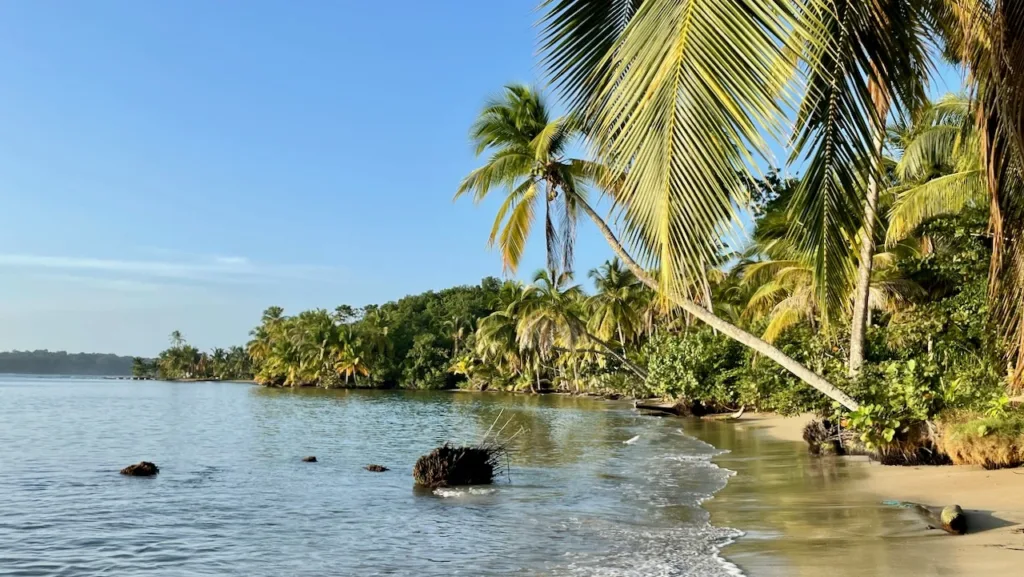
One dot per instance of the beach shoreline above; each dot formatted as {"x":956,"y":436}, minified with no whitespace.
{"x":993,"y":501}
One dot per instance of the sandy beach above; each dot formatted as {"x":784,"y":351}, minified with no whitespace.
{"x":993,"y":500}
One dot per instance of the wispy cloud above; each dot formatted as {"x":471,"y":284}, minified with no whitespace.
{"x":195,"y":269}
{"x":121,"y":285}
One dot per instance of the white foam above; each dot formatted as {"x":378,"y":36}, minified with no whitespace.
{"x":448,"y":493}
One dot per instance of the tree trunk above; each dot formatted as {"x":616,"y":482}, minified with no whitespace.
{"x":620,"y":357}
{"x":801,"y":372}
{"x":860,"y":320}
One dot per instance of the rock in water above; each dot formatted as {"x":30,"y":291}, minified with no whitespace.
{"x":309,"y":459}
{"x":376,"y":468}
{"x":143,"y":469}
{"x":449,"y":466}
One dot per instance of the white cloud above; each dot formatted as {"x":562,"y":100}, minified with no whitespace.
{"x":231,"y":260}
{"x":209,"y":269}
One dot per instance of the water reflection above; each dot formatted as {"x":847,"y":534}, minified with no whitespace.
{"x":805,"y":516}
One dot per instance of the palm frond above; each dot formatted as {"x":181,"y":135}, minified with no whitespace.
{"x":948,"y":194}
{"x":575,"y":39}
{"x":513,"y":237}
{"x":686,"y":91}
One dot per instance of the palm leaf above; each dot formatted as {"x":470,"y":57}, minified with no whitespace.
{"x":514,"y":233}
{"x":687,"y":89}
{"x":869,"y":55}
{"x":948,"y":194}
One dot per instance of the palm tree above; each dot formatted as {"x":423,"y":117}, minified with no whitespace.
{"x":681,"y":97}
{"x":616,"y":309}
{"x":987,"y":37}
{"x":783,"y":292}
{"x":177,"y":339}
{"x":528,"y":160}
{"x":551,"y":317}
{"x":940,"y":170}
{"x":674,"y":282}
{"x":349,"y":364}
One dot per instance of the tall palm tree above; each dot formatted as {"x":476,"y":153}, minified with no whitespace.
{"x":177,"y":339}
{"x":551,"y":316}
{"x":617,"y":308}
{"x":865,"y":59}
{"x":682,"y":293}
{"x":528,"y":161}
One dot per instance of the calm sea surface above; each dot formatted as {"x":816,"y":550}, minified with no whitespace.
{"x":233,"y":497}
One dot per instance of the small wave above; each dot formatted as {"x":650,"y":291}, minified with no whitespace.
{"x":449,"y":493}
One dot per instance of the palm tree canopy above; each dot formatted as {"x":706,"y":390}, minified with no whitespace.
{"x":527,"y":161}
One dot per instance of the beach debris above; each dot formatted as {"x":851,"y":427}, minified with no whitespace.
{"x":451,"y":465}
{"x":631,"y":441}
{"x":376,"y":468}
{"x":141,"y":469}
{"x":448,"y":466}
{"x":309,"y":459}
{"x":824,"y":438}
{"x":679,"y":408}
{"x":950,"y":519}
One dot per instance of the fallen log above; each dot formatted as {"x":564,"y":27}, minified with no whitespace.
{"x":678,"y":408}
{"x":665,"y":408}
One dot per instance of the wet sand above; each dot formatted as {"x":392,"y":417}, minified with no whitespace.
{"x":829,"y":516}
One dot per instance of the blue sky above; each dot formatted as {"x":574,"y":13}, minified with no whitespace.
{"x":183,"y":165}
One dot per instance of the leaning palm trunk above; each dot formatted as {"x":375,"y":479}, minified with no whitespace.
{"x":859,"y":322}
{"x":732,"y":331}
{"x":615,"y":354}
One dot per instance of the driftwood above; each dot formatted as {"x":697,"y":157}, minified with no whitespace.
{"x":143,"y":469}
{"x":678,"y":408}
{"x":950,"y":519}
{"x":664,"y":408}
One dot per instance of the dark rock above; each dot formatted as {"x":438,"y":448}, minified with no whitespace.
{"x":309,"y":459}
{"x":376,"y":468}
{"x":143,"y":469}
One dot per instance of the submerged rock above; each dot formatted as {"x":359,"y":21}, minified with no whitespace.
{"x":449,"y":466}
{"x":376,"y":468}
{"x":142,"y":469}
{"x":309,"y":459}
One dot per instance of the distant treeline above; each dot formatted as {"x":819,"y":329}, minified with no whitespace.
{"x":63,"y":363}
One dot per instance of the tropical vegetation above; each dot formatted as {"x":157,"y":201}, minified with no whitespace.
{"x":879,"y":285}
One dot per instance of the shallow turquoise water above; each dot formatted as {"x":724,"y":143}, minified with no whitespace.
{"x":233,"y":497}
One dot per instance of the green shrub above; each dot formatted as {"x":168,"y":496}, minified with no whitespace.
{"x":698,"y":365}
